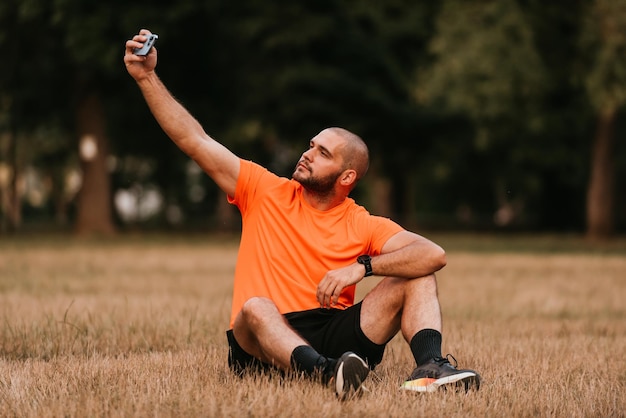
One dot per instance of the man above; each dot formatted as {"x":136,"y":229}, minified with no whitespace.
{"x":304,"y":246}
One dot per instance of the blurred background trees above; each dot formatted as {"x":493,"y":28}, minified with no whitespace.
{"x":480,"y":115}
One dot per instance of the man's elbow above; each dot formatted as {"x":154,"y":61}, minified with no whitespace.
{"x":439,"y":258}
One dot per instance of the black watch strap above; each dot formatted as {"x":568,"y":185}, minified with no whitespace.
{"x":366,"y":260}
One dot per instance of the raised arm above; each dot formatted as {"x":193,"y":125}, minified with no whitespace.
{"x":186,"y":132}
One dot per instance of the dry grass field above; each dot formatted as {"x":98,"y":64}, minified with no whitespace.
{"x":135,"y":327}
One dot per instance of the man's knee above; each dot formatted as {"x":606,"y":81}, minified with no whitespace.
{"x":254,"y":316}
{"x":257,"y":309}
{"x":396,"y":288}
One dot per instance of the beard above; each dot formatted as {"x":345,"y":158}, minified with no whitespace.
{"x":318,"y":185}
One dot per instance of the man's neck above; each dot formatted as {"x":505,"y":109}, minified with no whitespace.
{"x":323,"y":202}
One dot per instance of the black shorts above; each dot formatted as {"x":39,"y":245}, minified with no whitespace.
{"x":331,"y":332}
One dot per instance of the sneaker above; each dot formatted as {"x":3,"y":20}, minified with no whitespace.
{"x":350,"y":372}
{"x":439,"y":372}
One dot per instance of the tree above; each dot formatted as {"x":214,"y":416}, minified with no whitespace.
{"x":314,"y":64}
{"x":86,"y":30}
{"x":71,"y":80}
{"x":485,"y":70}
{"x":30,"y":87}
{"x":603,"y":48}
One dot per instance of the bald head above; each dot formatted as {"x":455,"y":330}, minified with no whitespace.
{"x":354,"y":151}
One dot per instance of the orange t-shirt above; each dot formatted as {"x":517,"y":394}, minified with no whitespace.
{"x":288,"y":246}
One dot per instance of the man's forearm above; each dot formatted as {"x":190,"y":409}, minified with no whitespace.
{"x":173,"y":118}
{"x":417,"y":259}
{"x":187,"y":133}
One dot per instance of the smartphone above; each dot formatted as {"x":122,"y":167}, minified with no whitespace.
{"x":147,"y":45}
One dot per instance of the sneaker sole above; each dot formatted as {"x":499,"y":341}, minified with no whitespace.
{"x":349,"y":376}
{"x":465,"y":380}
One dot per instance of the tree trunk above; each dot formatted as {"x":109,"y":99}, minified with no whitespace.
{"x":10,"y":196}
{"x":15,"y":198}
{"x":600,"y":215}
{"x":94,"y":206}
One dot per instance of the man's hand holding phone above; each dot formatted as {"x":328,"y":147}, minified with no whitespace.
{"x":141,"y":56}
{"x":145,"y":49}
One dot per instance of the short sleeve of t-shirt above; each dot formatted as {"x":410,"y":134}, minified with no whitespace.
{"x":253,"y":180}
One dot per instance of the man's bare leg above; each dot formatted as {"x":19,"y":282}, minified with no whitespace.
{"x":412,"y":306}
{"x":395,"y":304}
{"x":263,"y":332}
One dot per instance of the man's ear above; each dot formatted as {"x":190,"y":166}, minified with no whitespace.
{"x":348,"y":178}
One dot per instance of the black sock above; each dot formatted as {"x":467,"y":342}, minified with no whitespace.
{"x":305,"y":359}
{"x":426,"y":345}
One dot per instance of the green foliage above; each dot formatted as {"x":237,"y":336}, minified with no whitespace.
{"x":485,"y":62}
{"x":320,"y":63}
{"x":603,"y":39}
{"x":511,"y":68}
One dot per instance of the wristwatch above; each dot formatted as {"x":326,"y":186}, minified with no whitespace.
{"x":366,"y":260}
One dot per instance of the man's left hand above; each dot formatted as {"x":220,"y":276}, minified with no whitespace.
{"x":335,"y":281}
